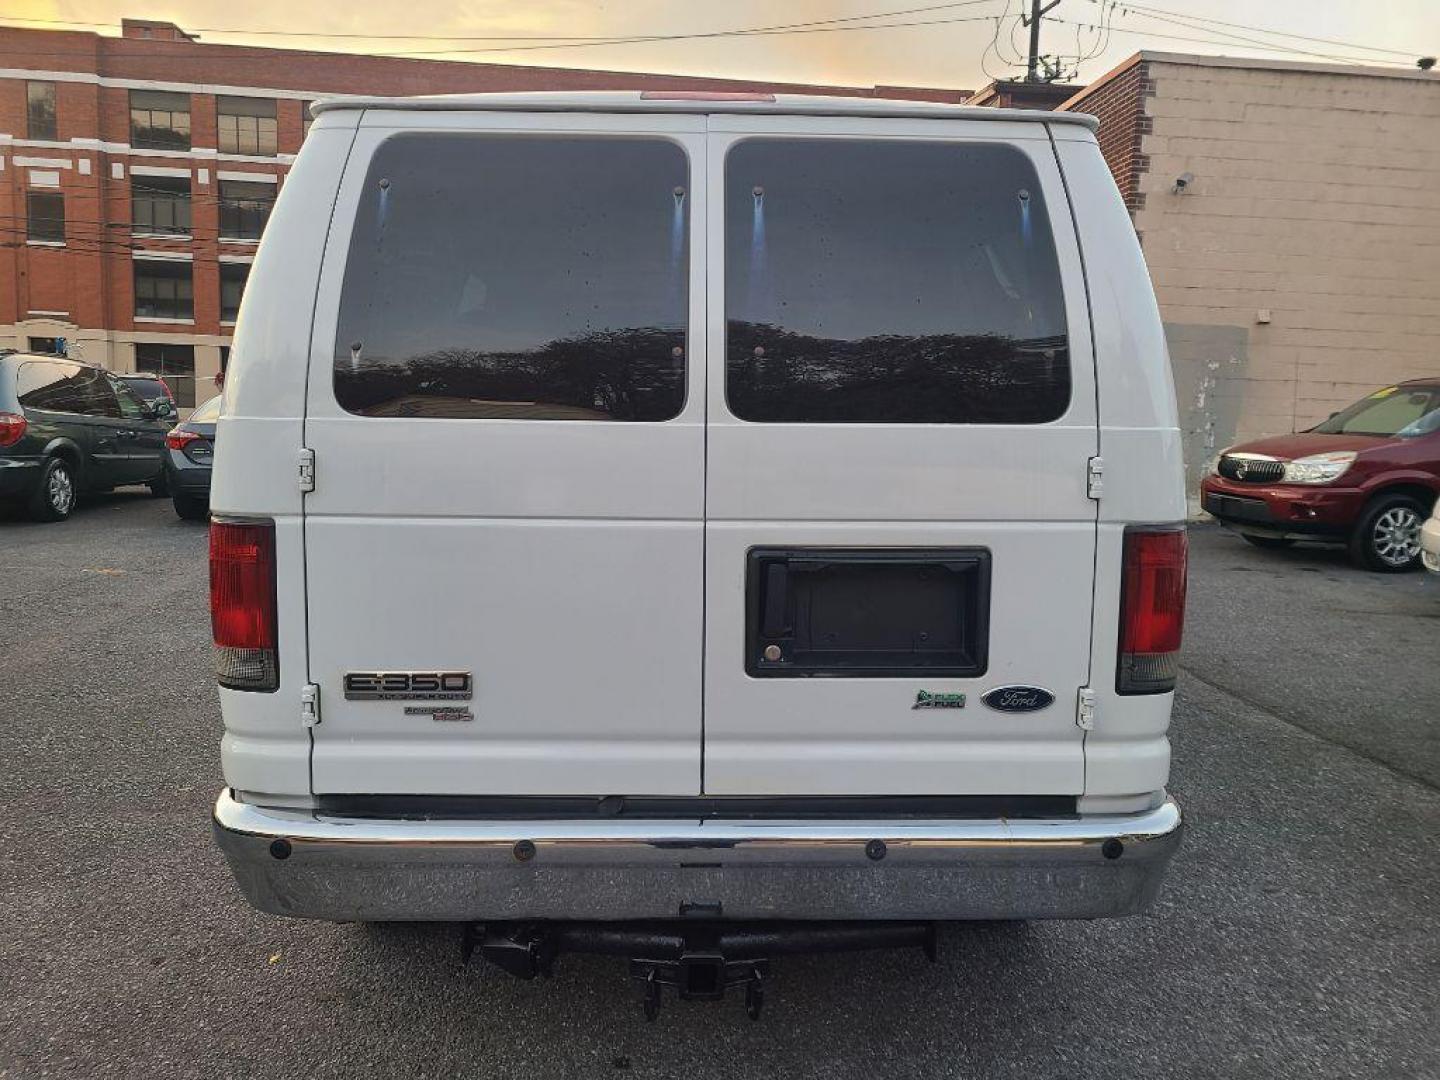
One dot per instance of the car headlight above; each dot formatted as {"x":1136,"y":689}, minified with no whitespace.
{"x":1318,"y":468}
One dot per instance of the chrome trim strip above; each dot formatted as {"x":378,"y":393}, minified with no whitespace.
{"x":304,"y":864}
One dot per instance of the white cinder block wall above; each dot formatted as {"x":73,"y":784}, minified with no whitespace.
{"x":1300,"y":266}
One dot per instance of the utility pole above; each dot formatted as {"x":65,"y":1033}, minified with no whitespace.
{"x":1032,"y":67}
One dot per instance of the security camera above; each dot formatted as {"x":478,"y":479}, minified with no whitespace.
{"x":1183,"y":181}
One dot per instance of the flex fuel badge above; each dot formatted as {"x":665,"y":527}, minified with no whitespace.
{"x":929,"y":699}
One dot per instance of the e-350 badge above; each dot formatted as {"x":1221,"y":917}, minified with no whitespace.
{"x":408,"y":686}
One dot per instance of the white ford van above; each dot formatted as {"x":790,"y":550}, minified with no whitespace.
{"x":697,"y":508}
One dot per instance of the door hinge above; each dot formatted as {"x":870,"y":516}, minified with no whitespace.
{"x":310,"y":704}
{"x":1085,"y":711}
{"x":305,"y":463}
{"x":1095,"y":478}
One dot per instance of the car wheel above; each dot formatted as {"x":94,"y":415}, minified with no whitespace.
{"x":1268,"y":542}
{"x":191,"y":508}
{"x":54,"y":496}
{"x":160,"y":486}
{"x":1387,"y":536}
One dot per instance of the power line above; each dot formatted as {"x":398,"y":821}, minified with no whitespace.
{"x":578,"y":38}
{"x":1257,"y":42}
{"x":421,"y":53}
{"x":1216,"y":41}
{"x":568,"y":41}
{"x":1141,"y":8}
{"x":436,"y":54}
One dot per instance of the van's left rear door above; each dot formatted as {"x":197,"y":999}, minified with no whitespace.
{"x":506,"y":408}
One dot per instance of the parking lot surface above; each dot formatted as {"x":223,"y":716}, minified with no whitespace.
{"x":1296,"y":937}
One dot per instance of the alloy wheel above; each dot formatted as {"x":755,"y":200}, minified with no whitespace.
{"x":1396,"y":536}
{"x":61,"y":490}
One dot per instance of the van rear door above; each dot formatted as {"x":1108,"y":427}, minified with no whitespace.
{"x":506,"y":410}
{"x":898,"y":521}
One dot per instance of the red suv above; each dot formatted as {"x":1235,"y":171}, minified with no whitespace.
{"x":1367,"y":477}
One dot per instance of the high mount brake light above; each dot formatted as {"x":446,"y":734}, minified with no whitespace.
{"x":704,"y":95}
{"x":12,"y":428}
{"x":242,"y":604}
{"x":1152,"y":609}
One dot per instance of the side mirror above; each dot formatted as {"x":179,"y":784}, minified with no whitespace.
{"x":148,"y":411}
{"x":163,"y":410}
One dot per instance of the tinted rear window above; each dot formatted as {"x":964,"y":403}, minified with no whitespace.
{"x":45,"y":384}
{"x":149,"y":389}
{"x":874,"y":281}
{"x":517,"y":277}
{"x":56,"y":386}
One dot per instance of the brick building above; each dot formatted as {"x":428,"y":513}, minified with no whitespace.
{"x":137,"y":172}
{"x":1291,"y":222}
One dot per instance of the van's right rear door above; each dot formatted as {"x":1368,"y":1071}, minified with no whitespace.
{"x":901,"y":415}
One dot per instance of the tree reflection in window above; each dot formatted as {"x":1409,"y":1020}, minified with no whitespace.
{"x":517,"y":277}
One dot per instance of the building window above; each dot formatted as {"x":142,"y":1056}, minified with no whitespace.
{"x":45,"y":345}
{"x":40,"y":114}
{"x":173,"y":363}
{"x":244,"y":208}
{"x":45,"y":217}
{"x":232,"y":286}
{"x":164,"y":289}
{"x":159,"y":120}
{"x":160,"y":204}
{"x":247,"y":125}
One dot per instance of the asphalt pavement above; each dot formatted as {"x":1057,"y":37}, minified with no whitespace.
{"x":1297,"y":936}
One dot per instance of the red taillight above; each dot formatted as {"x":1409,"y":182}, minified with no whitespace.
{"x":242,"y":604}
{"x":179,"y":439}
{"x":12,"y":428}
{"x":166,"y":387}
{"x":1152,"y":609}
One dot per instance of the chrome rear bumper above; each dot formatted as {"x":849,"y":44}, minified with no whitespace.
{"x":299,"y":863}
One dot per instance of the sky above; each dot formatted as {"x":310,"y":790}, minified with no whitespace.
{"x":959,"y":45}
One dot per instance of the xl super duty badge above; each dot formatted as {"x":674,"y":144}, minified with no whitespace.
{"x":408,"y":686}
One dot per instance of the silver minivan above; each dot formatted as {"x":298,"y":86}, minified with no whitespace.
{"x":697,"y":509}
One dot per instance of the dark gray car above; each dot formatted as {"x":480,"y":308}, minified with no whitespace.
{"x":68,"y":428}
{"x":189,"y":451}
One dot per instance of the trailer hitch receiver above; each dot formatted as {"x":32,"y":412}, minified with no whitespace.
{"x":701,"y":976}
{"x":697,"y":960}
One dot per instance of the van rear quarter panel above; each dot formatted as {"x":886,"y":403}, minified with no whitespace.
{"x":1128,"y":752}
{"x":265,"y":750}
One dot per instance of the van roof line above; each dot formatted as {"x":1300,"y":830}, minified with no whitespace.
{"x":679,"y":101}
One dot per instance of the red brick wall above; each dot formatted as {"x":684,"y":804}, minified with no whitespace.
{"x":1119,"y":103}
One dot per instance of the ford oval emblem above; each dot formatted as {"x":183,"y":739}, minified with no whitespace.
{"x":1018,"y":698}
